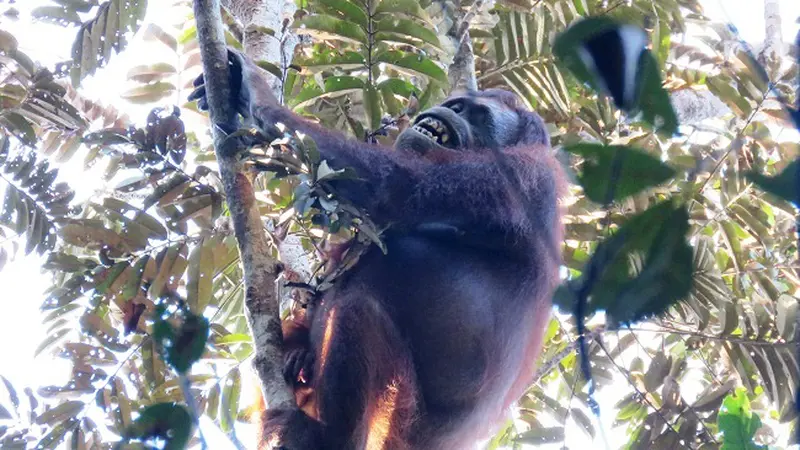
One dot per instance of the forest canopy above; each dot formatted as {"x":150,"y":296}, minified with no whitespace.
{"x":680,"y":276}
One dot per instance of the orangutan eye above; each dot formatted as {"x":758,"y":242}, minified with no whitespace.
{"x":479,"y":114}
{"x":457,"y":106}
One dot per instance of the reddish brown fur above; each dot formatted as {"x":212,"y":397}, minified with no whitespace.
{"x":427,"y":346}
{"x":499,"y":386}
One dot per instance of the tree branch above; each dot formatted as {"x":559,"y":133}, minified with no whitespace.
{"x":257,"y":16}
{"x":461,"y":72}
{"x":276,"y":46}
{"x":546,"y":366}
{"x":773,"y":49}
{"x":260,"y":269}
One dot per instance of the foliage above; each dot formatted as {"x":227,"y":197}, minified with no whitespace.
{"x":782,"y":185}
{"x":640,"y":93}
{"x":737,"y":423}
{"x":107,"y":30}
{"x":663,"y":278}
{"x":669,"y":238}
{"x":166,"y":421}
{"x":32,"y":103}
{"x":379,"y":46}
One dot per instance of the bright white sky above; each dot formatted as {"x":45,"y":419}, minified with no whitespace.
{"x":23,"y":284}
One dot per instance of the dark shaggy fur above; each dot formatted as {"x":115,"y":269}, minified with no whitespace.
{"x":427,"y":346}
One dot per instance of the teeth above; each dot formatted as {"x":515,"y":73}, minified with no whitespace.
{"x":424,"y":131}
{"x":434,"y":129}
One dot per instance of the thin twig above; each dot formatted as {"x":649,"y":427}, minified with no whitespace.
{"x":191,"y":404}
{"x":738,"y":341}
{"x":639,"y":393}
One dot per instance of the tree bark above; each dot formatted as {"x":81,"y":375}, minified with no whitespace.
{"x":255,"y":16}
{"x":461,"y":72}
{"x":260,"y":269}
{"x":694,"y":106}
{"x":773,"y":34}
{"x":276,"y":46}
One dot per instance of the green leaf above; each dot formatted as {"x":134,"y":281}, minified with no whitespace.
{"x":229,"y":410}
{"x":148,"y":73}
{"x":94,"y":326}
{"x":199,"y":289}
{"x":327,"y":59}
{"x":60,"y":412}
{"x":154,"y":32}
{"x":372,"y":105}
{"x":665,"y":278}
{"x":88,"y":354}
{"x":12,"y":393}
{"x":169,"y":422}
{"x":336,"y":85}
{"x":658,"y":370}
{"x":659,"y":233}
{"x":151,"y":225}
{"x":67,"y":263}
{"x":721,"y":86}
{"x":614,"y":172}
{"x":650,"y":98}
{"x":57,"y":434}
{"x":166,"y":269}
{"x":149,"y":93}
{"x":783,"y":185}
{"x":414,"y":63}
{"x":154,"y":368}
{"x":395,"y":26}
{"x":390,"y":89}
{"x":759,"y":74}
{"x":347,"y":10}
{"x":168,"y":191}
{"x":327,"y":27}
{"x":339,"y":83}
{"x":653,"y":101}
{"x":583,"y":421}
{"x":399,"y":86}
{"x":51,"y":340}
{"x":182,"y":346}
{"x":107,"y":31}
{"x":19,"y":126}
{"x":212,"y":405}
{"x":737,"y":423}
{"x":58,"y":15}
{"x":107,"y":277}
{"x":134,"y":282}
{"x":271,"y":68}
{"x":409,"y":8}
{"x":713,"y":397}
{"x":542,"y":436}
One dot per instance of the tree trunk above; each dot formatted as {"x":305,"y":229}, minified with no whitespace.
{"x":260,"y":269}
{"x":255,"y":16}
{"x":276,"y":46}
{"x":773,"y":40}
{"x":461,"y":72}
{"x":694,"y":106}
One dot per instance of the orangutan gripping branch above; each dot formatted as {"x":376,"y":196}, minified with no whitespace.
{"x":425,"y":347}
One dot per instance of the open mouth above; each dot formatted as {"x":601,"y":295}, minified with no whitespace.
{"x":434,"y":129}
